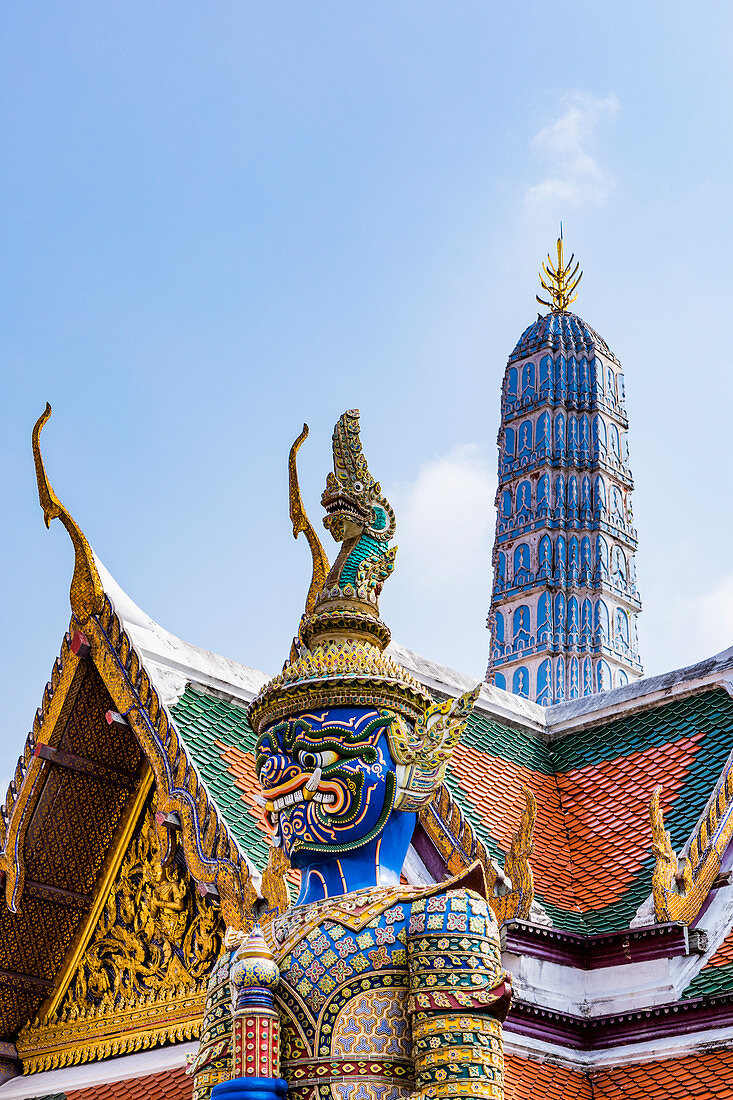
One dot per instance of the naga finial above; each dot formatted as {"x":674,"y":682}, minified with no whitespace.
{"x":672,"y":875}
{"x":358,"y":516}
{"x":560,"y":280}
{"x":86,"y":594}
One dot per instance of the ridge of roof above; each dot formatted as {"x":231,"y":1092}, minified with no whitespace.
{"x":175,"y":662}
{"x":565,"y":718}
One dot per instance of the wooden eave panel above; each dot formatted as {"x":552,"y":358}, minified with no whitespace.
{"x":70,"y":828}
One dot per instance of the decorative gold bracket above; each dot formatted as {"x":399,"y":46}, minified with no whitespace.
{"x":672,"y":883}
{"x":518,"y":902}
{"x":681,"y":883}
{"x":86,"y":594}
{"x":275,"y":888}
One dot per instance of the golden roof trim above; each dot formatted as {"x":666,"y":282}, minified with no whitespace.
{"x":58,"y":696}
{"x":174,"y":1016}
{"x":680,"y":884}
{"x":179,"y":789}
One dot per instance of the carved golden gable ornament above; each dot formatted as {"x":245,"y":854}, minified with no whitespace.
{"x":142,"y":978}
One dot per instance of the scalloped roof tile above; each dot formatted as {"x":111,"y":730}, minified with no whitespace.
{"x":592,"y":859}
{"x":217,"y":734}
{"x":561,"y":332}
{"x":705,"y":1075}
{"x":171,"y":1085}
{"x":526,"y":1079}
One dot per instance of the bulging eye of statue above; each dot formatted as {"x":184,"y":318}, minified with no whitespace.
{"x":312,"y":760}
{"x":358,"y":486}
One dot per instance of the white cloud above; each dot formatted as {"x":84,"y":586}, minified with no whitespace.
{"x":685,"y":628}
{"x":440,"y":595}
{"x":446,"y":518}
{"x":575,"y":176}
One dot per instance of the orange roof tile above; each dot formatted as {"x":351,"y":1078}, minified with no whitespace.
{"x":241,"y":766}
{"x":606,"y":811}
{"x":171,"y":1085}
{"x":525,"y":1079}
{"x":493,"y":786}
{"x":701,"y":1076}
{"x":724,"y":954}
{"x":592,"y":832}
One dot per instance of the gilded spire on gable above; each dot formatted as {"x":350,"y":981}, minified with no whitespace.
{"x":560,"y":280}
{"x":86,"y":595}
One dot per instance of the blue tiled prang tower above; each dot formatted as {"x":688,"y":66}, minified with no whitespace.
{"x":564,"y":606}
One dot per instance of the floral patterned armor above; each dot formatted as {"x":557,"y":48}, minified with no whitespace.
{"x":385,"y":990}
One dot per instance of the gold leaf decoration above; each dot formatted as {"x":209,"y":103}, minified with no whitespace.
{"x":142,"y":979}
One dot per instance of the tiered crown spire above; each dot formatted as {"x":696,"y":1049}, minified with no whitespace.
{"x":564,"y":603}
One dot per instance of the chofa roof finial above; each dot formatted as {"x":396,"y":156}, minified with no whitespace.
{"x":86,"y":594}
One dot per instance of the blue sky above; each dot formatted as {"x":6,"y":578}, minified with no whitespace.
{"x":221,"y":220}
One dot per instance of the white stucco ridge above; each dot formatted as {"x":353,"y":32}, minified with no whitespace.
{"x":171,"y":662}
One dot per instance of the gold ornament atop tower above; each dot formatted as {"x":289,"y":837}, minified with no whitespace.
{"x":560,"y":280}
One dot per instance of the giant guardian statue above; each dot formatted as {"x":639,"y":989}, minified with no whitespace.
{"x":366,"y":988}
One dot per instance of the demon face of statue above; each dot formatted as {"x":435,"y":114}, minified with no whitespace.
{"x":329,"y":780}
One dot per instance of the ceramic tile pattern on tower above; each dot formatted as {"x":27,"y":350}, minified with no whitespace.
{"x":564,"y":603}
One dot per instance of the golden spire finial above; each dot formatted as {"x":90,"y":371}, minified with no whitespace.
{"x":562,"y":280}
{"x":86,"y":595}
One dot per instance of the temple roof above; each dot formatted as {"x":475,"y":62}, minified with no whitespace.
{"x":561,"y":332}
{"x":592,"y":765}
{"x":592,"y":861}
{"x":705,"y":1074}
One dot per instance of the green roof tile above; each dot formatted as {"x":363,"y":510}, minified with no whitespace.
{"x":201,"y":720}
{"x":709,"y":713}
{"x":517,"y":746}
{"x":711,"y":981}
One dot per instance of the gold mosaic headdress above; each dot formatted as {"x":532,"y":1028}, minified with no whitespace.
{"x":338,"y":658}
